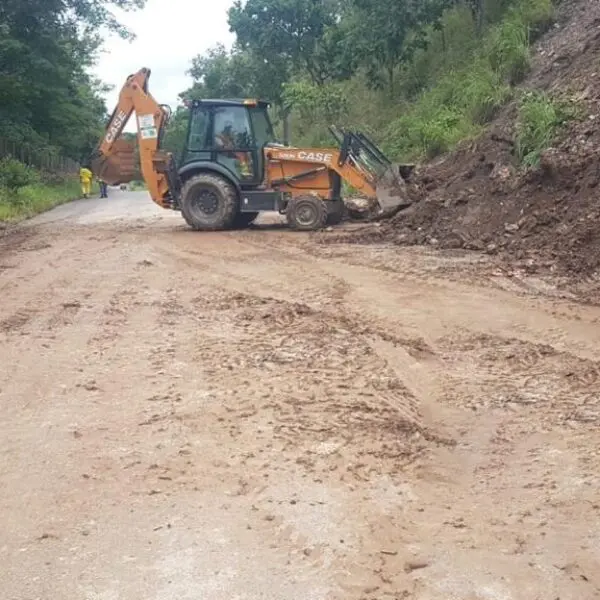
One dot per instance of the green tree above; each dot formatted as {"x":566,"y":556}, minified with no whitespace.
{"x":235,"y":74}
{"x":386,"y":34}
{"x":239,"y":73}
{"x":300,"y":33}
{"x":46,"y":95}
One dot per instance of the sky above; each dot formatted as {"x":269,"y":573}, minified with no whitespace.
{"x":169,"y":34}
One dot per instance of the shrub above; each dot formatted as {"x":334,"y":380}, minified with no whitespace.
{"x":537,"y":15}
{"x":539,"y":119}
{"x":316,"y":103}
{"x":36,"y":198}
{"x":483,"y":93}
{"x":49,"y":178}
{"x":15,"y":175}
{"x":508,"y":50}
{"x":443,"y":131}
{"x":430,"y":133}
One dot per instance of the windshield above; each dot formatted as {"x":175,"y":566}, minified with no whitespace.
{"x":263,"y":130}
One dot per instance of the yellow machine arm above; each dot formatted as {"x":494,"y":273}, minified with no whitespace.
{"x":114,"y":161}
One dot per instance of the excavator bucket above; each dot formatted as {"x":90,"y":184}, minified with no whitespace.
{"x":391,"y":189}
{"x":121,"y":166}
{"x":389,"y":179}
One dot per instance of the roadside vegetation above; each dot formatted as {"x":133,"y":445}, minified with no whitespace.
{"x":36,"y":198}
{"x":51,"y":110}
{"x":540,"y":119}
{"x":25,"y":191}
{"x":417,"y":77}
{"x":137,"y":186}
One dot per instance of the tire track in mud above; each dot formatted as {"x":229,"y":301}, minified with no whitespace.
{"x":56,"y":393}
{"x":288,"y":393}
{"x":359,"y":452}
{"x":462,"y":378}
{"x":291,"y":272}
{"x":329,"y":394}
{"x":508,"y":398}
{"x":514,"y":388}
{"x":540,"y":383}
{"x":320,"y":385}
{"x":57,"y":304}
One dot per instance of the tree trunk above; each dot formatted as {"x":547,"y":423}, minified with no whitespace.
{"x":286,"y":127}
{"x":478,"y":8}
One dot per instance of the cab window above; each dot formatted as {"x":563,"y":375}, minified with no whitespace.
{"x":199,"y":125}
{"x":262,"y":126}
{"x":232,"y":129}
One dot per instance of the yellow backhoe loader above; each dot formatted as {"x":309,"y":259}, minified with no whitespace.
{"x":232,"y":168}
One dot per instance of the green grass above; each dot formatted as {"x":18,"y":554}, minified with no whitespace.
{"x":39,"y":197}
{"x":471,"y":83}
{"x":455,"y":109}
{"x":540,"y":118}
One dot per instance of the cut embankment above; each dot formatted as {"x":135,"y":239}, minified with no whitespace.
{"x":527,"y":189}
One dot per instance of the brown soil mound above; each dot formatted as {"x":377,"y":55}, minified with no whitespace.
{"x":477,"y":198}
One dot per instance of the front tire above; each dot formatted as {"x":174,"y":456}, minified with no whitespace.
{"x":209,"y":202}
{"x":306,"y":213}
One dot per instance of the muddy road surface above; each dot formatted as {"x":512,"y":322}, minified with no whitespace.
{"x":256,"y":415}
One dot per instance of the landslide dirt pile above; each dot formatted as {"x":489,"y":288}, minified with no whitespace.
{"x":549,"y":217}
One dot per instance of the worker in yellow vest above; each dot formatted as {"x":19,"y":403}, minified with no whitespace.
{"x":85,"y":177}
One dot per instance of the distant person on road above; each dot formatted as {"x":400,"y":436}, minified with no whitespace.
{"x":85,"y":177}
{"x":103,"y":189}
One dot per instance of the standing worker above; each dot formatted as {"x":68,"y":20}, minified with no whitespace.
{"x":85,"y":176}
{"x":103,"y":188}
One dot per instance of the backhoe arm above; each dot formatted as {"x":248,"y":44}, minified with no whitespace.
{"x":114,"y":161}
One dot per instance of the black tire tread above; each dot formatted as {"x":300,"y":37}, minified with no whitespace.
{"x":227,"y":192}
{"x":290,"y":213}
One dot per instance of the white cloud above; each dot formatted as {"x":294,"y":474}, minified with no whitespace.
{"x":169,"y":34}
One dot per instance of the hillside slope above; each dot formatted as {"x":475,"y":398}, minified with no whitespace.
{"x":546,"y":217}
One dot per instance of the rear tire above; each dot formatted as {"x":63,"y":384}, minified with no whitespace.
{"x":209,"y":202}
{"x":306,"y":213}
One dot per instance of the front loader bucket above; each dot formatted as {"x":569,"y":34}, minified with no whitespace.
{"x":388,"y":179}
{"x":392,"y":194}
{"x":121,"y":166}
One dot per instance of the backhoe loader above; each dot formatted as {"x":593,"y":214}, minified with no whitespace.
{"x":232,"y":168}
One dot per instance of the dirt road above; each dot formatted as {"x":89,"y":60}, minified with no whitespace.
{"x":253,"y":414}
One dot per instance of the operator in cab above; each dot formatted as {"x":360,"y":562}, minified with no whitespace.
{"x":226,"y":140}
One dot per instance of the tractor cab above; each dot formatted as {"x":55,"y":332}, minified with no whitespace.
{"x":230,"y":134}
